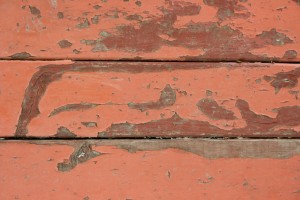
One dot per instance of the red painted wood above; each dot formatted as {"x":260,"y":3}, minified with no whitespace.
{"x":138,"y":99}
{"x":157,"y":169}
{"x":157,"y":29}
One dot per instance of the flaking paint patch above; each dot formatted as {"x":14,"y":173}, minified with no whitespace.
{"x":89,"y":124}
{"x":35,"y":11}
{"x":81,"y":154}
{"x":193,"y":36}
{"x":290,"y":54}
{"x":83,"y":24}
{"x":95,"y":19}
{"x":72,"y":107}
{"x":284,"y":79}
{"x":64,"y":44}
{"x":256,"y":124}
{"x":63,"y":132}
{"x":22,"y":55}
{"x":167,"y":98}
{"x":275,"y":38}
{"x":211,"y":108}
{"x":51,"y":73}
{"x":229,"y":9}
{"x":297,"y":2}
{"x":168,"y":19}
{"x":60,"y":15}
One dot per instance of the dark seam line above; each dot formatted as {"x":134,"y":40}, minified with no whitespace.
{"x":143,"y":138}
{"x":155,"y":61}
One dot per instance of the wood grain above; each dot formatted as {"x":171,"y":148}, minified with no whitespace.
{"x":148,"y":99}
{"x":219,"y":30}
{"x":156,"y":169}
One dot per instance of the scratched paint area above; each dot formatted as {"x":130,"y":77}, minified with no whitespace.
{"x":157,"y":29}
{"x":138,"y":99}
{"x":174,"y":169}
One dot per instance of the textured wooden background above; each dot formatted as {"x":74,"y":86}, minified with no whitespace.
{"x":232,"y":30}
{"x":160,"y":99}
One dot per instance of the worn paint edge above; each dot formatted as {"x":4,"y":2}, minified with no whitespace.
{"x":208,"y":148}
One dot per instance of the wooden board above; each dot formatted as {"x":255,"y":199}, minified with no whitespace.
{"x":143,"y":99}
{"x":150,"y":169}
{"x":137,"y":99}
{"x":157,"y":29}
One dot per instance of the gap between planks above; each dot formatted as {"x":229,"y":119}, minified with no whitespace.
{"x":152,"y":61}
{"x":147,"y":138}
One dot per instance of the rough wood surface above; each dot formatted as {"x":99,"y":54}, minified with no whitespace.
{"x":138,"y":99}
{"x":257,"y":30}
{"x":156,"y":169}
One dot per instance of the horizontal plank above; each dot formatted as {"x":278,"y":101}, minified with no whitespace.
{"x":153,"y":99}
{"x":258,"y":30}
{"x":150,"y":169}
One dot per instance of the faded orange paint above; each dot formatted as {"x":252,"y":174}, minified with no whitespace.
{"x":31,"y":172}
{"x":106,"y":99}
{"x":162,"y":30}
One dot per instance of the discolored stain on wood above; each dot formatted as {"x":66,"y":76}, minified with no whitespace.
{"x":290,"y":54}
{"x":76,"y":51}
{"x":96,"y":7}
{"x":138,"y":3}
{"x":60,"y":15}
{"x":229,"y":9}
{"x":84,"y":24}
{"x":89,"y":124}
{"x":64,"y":44}
{"x":275,"y":38}
{"x":208,"y":93}
{"x":163,"y":127}
{"x":289,"y":115}
{"x":95,"y":19}
{"x":72,"y":107}
{"x":182,"y":8}
{"x":21,"y":56}
{"x":63,"y":132}
{"x":167,"y":98}
{"x":211,"y":108}
{"x":134,"y":17}
{"x":35,"y":11}
{"x":297,"y":1}
{"x":285,"y":79}
{"x":81,"y":154}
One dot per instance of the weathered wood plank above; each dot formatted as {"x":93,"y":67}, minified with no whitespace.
{"x":158,"y":29}
{"x":138,"y":99}
{"x":156,"y":169}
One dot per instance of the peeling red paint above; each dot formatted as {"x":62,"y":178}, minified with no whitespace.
{"x":208,"y":169}
{"x":65,"y":95}
{"x":63,"y":132}
{"x":80,"y":155}
{"x":211,"y":108}
{"x":174,"y":30}
{"x":167,"y":98}
{"x":155,"y":120}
